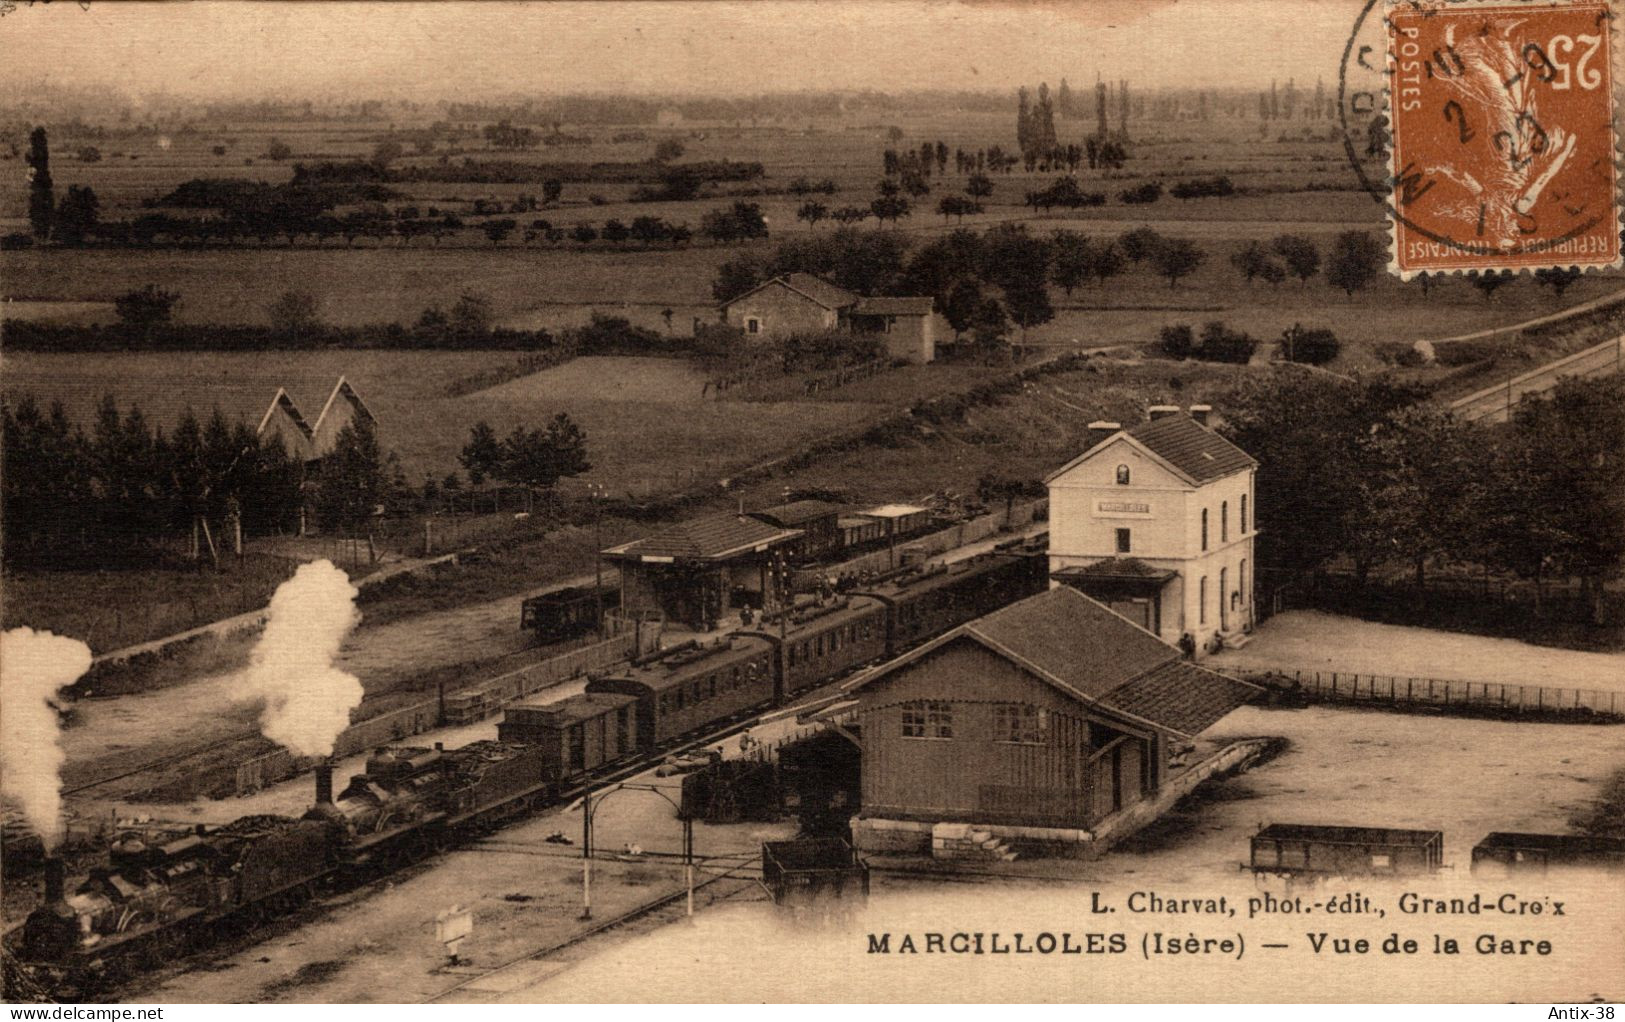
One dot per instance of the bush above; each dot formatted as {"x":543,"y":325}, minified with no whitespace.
{"x":1460,"y":353}
{"x":1311,"y":347}
{"x":16,"y":240}
{"x":1202,"y":187}
{"x":1178,"y":341}
{"x":1151,"y":191}
{"x":1221,"y":344}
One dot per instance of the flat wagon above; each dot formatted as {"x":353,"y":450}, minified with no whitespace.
{"x":1296,"y":849}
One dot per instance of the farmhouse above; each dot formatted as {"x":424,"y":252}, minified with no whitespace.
{"x":694,"y":572}
{"x":311,"y":442}
{"x":1155,"y":521}
{"x":803,"y":303}
{"x":1039,"y":721}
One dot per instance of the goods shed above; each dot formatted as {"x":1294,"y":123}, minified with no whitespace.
{"x":697,"y":571}
{"x":1039,"y":721}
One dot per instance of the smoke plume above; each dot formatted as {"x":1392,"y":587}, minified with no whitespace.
{"x":307,"y":700}
{"x":33,"y":666}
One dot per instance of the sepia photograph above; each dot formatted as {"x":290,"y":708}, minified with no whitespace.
{"x":790,"y":502}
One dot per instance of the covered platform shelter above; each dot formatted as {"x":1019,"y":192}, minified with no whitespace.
{"x":696,"y":572}
{"x":1127,"y":585}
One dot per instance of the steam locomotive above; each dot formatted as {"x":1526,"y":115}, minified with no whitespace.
{"x":149,"y":903}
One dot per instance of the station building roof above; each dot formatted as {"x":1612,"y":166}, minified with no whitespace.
{"x":710,"y":538}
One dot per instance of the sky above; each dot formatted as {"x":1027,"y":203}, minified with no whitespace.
{"x":464,"y":48}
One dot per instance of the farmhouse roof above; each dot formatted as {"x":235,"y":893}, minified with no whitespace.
{"x":1190,"y":449}
{"x":1098,"y":657}
{"x":887,"y":306}
{"x":814,"y":289}
{"x":711,"y":538}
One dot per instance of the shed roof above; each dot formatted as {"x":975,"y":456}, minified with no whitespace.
{"x":797,"y":512}
{"x":1099,"y":658}
{"x":1192,"y":448}
{"x":1115,"y":568}
{"x":895,"y":511}
{"x":890,"y":306}
{"x":713,"y":537}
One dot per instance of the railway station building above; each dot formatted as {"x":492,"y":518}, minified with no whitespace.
{"x":696,"y":572}
{"x":1044,"y":722}
{"x":1157,"y":522}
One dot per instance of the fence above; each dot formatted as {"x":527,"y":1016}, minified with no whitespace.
{"x":1381,"y":688}
{"x":931,"y":544}
{"x":463,"y":707}
{"x":783,"y":388}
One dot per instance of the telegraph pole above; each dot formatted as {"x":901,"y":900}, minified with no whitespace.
{"x":596,"y":493}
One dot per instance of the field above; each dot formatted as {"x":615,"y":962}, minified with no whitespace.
{"x":648,"y":428}
{"x":536,"y":284}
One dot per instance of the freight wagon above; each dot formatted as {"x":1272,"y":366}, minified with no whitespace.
{"x":1302,"y":849}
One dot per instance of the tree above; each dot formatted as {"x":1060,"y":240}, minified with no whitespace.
{"x":615,"y":232}
{"x":90,"y":154}
{"x":385,"y":153}
{"x":354,"y":480}
{"x":995,"y":485}
{"x":294,"y":312}
{"x":472,"y":315}
{"x":1301,"y":256}
{"x":1249,"y":260}
{"x":1105,"y":262}
{"x":1176,"y":258}
{"x":584,"y":234}
{"x":482,"y":455}
{"x":848,"y":215}
{"x":1489,"y":283}
{"x":648,"y":230}
{"x":1178,"y":341}
{"x":552,"y":190}
{"x":278,"y":150}
{"x":1139,"y":244}
{"x":962,"y":306}
{"x":667,"y":150}
{"x":979,"y":187}
{"x":145,"y":310}
{"x":1557,"y":278}
{"x":41,"y":194}
{"x":1073,"y":259}
{"x":77,"y":215}
{"x":538,"y":458}
{"x":497,"y":231}
{"x":1313,"y":347}
{"x":812,"y":212}
{"x":1355,"y":260}
{"x":958,"y":206}
{"x":736,"y":276}
{"x":893,"y":209}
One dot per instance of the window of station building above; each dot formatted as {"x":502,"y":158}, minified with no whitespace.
{"x":1201,"y":601}
{"x":928,"y":720}
{"x":1124,"y":540}
{"x":1224,"y":521}
{"x":623,"y":727}
{"x":1018,"y":723}
{"x":818,"y":646}
{"x":1243,"y":520}
{"x":1204,"y":528}
{"x":1122,"y":475}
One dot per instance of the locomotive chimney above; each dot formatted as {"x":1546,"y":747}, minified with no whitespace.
{"x":1162,"y":411}
{"x":324,"y":783}
{"x":1201,"y":412}
{"x":56,"y":880}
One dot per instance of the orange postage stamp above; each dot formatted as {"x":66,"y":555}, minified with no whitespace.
{"x":1503,"y":151}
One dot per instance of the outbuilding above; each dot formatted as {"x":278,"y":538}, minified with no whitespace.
{"x":819,"y":522}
